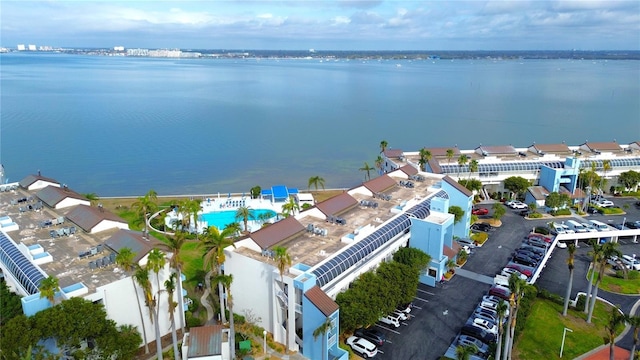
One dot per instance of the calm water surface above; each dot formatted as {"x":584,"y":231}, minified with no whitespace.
{"x":122,"y":126}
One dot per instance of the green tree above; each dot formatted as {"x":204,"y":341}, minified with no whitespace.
{"x":629,"y":179}
{"x":255,"y":192}
{"x":517,"y":185}
{"x":413,"y":257}
{"x":556,"y":201}
{"x":616,"y":319}
{"x":450,"y":155}
{"x":155,"y":262}
{"x":571,"y":249}
{"x":606,"y":167}
{"x":226,"y":281}
{"x":245,"y":213}
{"x":367,"y":170}
{"x":214,"y":242}
{"x":141,"y":277}
{"x":235,"y":228}
{"x":501,"y":311}
{"x":18,"y":335}
{"x":425,"y":156}
{"x":170,"y":287}
{"x":516,"y":287}
{"x":464,"y":352}
{"x":457,"y":212}
{"x":176,"y":262}
{"x":48,"y":288}
{"x":383,"y":145}
{"x":194,"y":208}
{"x":471,"y":184}
{"x":462,"y":161}
{"x":498,"y":211}
{"x":473,"y":167}
{"x":92,"y":197}
{"x":316,"y":181}
{"x":634,"y":322}
{"x":609,"y":249}
{"x":10,"y":304}
{"x":290,"y":207}
{"x":283,"y":260}
{"x":378,"y":164}
{"x":596,"y":249}
{"x":125,"y":259}
{"x":322,"y":330}
{"x":145,"y":206}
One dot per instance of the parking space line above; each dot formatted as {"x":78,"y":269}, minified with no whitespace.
{"x":417,"y":298}
{"x":380,"y":352}
{"x":386,"y":328}
{"x":417,"y":307}
{"x":388,"y":341}
{"x":426,"y":292}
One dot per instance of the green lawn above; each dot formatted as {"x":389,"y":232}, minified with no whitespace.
{"x":542,"y":335}
{"x":619,"y":285}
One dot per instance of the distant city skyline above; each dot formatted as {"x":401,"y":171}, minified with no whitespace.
{"x":325,"y":25}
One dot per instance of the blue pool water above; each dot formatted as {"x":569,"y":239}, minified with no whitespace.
{"x":220,"y":219}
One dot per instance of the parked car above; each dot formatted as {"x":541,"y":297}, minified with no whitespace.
{"x":485,"y":325}
{"x":406,"y":307}
{"x":375,"y":336}
{"x":466,"y":242}
{"x":478,"y":333}
{"x":524,"y":260}
{"x":518,"y":205}
{"x":589,"y":227}
{"x":362,"y":346}
{"x":402,"y":315}
{"x":491,"y":298}
{"x":464,"y":340}
{"x":631,"y":262}
{"x":481,"y":310}
{"x":391,"y":319}
{"x":536,"y":257}
{"x":500,"y":292}
{"x":480,"y":211}
{"x":604,"y":203}
{"x":561,"y":245}
{"x":536,"y":243}
{"x":508,"y":271}
{"x":539,"y":237}
{"x":482,"y":227}
{"x":533,"y":249}
{"x":520,"y":268}
{"x":524,"y":213}
{"x":632,"y":224}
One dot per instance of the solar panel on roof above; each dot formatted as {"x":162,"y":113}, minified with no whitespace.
{"x":20,"y":267}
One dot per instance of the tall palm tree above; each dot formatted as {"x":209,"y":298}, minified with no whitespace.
{"x":501,"y":310}
{"x":234,"y":228}
{"x":322,"y":330}
{"x":214,"y":242}
{"x":290,"y":207}
{"x":141,"y":276}
{"x":155,"y":263}
{"x":92,"y":197}
{"x":145,"y":206}
{"x":425,"y":156}
{"x":194,"y":209}
{"x":283,"y":260}
{"x":316,"y":181}
{"x":606,"y":167}
{"x":462,"y":161}
{"x":170,"y":286}
{"x":450,"y":155}
{"x":465,"y":352}
{"x":226,"y":281}
{"x":516,"y":287}
{"x":125,"y":259}
{"x":616,"y":318}
{"x":473,"y":167}
{"x":595,"y":254}
{"x":609,"y":249}
{"x":175,"y":244}
{"x":367,"y":169}
{"x":634,"y":321}
{"x":245,"y":213}
{"x":378,"y":164}
{"x":571,"y":248}
{"x":383,"y":145}
{"x":48,"y":288}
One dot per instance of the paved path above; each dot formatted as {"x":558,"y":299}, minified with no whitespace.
{"x":474,"y":276}
{"x":204,"y":299}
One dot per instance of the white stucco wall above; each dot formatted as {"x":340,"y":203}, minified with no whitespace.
{"x":41,"y":184}
{"x":109,"y":224}
{"x":71,"y":202}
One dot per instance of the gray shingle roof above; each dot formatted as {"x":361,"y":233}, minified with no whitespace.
{"x":135,"y":241}
{"x":52,"y":195}
{"x":277,"y":232}
{"x":87,"y":217}
{"x":339,"y":203}
{"x":30,"y":179}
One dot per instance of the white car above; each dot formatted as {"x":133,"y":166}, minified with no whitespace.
{"x":391,"y":319}
{"x":604,"y":203}
{"x":589,"y":227}
{"x":491,"y":298}
{"x":362,"y":346}
{"x":486,"y":325}
{"x":561,"y":245}
{"x":518,"y":205}
{"x":400,"y":314}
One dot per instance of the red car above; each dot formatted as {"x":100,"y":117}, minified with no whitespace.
{"x":480,"y":211}
{"x":539,"y":237}
{"x":522,"y":269}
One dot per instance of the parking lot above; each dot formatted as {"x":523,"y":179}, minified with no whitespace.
{"x":440,"y":312}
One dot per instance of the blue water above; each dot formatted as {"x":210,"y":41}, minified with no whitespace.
{"x":221,"y":219}
{"x":122,"y":126}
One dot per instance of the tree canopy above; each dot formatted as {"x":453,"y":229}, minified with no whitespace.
{"x":457,"y":212}
{"x":471,"y":184}
{"x":629,"y":179}
{"x":516,"y":184}
{"x":10,"y":305}
{"x":557,"y":201}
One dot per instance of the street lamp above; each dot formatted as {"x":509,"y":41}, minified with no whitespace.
{"x":264,"y":344}
{"x":564,"y":333}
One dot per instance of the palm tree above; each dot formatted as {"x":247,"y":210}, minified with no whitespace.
{"x":501,"y":310}
{"x":451,"y":265}
{"x":595,"y":254}
{"x":425,"y":156}
{"x":175,"y":244}
{"x":141,"y":276}
{"x":465,"y":352}
{"x":244,"y":213}
{"x":462,"y":161}
{"x":323,"y":329}
{"x":234,"y":228}
{"x":145,"y":206}
{"x":473,"y":167}
{"x":194,"y":209}
{"x":634,"y":321}
{"x":316,"y":181}
{"x":606,"y":166}
{"x":516,"y":287}
{"x":616,"y":319}
{"x":156,"y":262}
{"x":378,"y":164}
{"x":92,"y":197}
{"x":290,"y":207}
{"x":383,"y":145}
{"x":214,"y":242}
{"x":125,"y":258}
{"x":367,"y":169}
{"x":571,"y":248}
{"x":170,"y":286}
{"x":48,"y":288}
{"x":450,"y":154}
{"x":283,"y":260}
{"x":609,"y":249}
{"x":226,"y":281}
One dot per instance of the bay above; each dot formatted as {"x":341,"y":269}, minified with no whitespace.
{"x":120,"y":126}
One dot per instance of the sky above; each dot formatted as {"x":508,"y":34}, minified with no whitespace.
{"x":324,"y":24}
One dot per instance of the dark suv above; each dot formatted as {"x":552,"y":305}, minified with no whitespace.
{"x":478,"y":333}
{"x":375,"y":336}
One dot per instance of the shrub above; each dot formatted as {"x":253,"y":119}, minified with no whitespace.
{"x":633,"y":275}
{"x":480,"y":237}
{"x":545,"y":294}
{"x":561,"y":212}
{"x":582,"y":299}
{"x":192,"y":321}
{"x":541,"y":230}
{"x":535,"y":215}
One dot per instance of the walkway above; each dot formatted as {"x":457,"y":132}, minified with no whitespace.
{"x":474,"y":276}
{"x":204,"y":299}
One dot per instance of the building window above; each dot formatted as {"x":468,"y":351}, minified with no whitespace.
{"x":432,"y":272}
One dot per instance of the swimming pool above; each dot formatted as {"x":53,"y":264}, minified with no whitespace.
{"x":220,"y":219}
